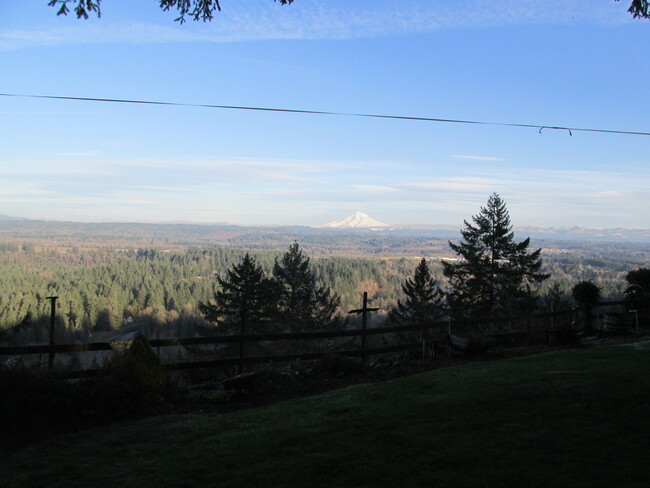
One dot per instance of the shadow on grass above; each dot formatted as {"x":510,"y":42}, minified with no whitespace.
{"x":568,"y":418}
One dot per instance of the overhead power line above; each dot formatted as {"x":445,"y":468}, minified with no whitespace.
{"x":540,"y":127}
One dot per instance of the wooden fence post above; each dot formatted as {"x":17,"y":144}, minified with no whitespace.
{"x":50,"y":357}
{"x":364,"y":323}
{"x":552,"y":316}
{"x":240,"y":364}
{"x":364,"y":327}
{"x":449,"y":337}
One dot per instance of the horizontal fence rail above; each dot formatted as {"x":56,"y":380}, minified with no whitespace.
{"x":220,"y":339}
{"x":443,"y":328}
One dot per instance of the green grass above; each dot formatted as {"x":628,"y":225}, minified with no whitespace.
{"x":564,"y":419}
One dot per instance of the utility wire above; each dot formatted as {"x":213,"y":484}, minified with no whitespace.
{"x":342,"y":114}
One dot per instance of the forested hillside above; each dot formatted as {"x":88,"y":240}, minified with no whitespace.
{"x":103,"y":288}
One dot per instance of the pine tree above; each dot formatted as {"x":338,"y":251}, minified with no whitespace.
{"x":423,"y":299}
{"x":495,"y":274}
{"x":243,"y":298}
{"x":638,"y":292}
{"x":301,"y":303}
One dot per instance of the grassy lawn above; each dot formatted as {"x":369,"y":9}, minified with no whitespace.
{"x":566,"y":419}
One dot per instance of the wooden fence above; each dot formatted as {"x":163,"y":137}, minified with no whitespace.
{"x":518,"y":330}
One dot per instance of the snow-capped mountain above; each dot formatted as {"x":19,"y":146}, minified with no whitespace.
{"x":358,"y":221}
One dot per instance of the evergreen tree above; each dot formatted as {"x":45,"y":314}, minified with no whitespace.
{"x":301,"y":303}
{"x":423,"y":298}
{"x":243,"y":298}
{"x":638,"y":292}
{"x":495,"y":273}
{"x":587,"y":295}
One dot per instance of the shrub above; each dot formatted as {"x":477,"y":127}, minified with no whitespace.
{"x":136,"y":380}
{"x":32,"y":400}
{"x":586,"y":294}
{"x":336,"y":365}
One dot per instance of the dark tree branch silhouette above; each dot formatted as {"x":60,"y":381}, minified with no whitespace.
{"x":196,"y":9}
{"x":640,"y":9}
{"x":204,"y":9}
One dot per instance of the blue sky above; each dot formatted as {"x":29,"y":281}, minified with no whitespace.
{"x":580,"y":63}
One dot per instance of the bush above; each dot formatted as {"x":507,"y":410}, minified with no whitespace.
{"x":31,"y":400}
{"x":336,"y":365}
{"x":586,"y":294}
{"x":136,"y":382}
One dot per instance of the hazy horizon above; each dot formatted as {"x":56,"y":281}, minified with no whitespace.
{"x":320,"y":226}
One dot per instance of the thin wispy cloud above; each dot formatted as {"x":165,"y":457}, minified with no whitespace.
{"x":12,"y":192}
{"x":376,"y":188}
{"x":51,"y":167}
{"x":450,"y":185}
{"x":165,"y":189}
{"x":172,"y":172}
{"x":81,"y":154}
{"x":224,"y":164}
{"x":477,"y":158}
{"x":313,"y":20}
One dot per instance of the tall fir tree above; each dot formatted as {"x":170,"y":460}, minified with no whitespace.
{"x":495,"y":274}
{"x":423,"y":301}
{"x":244,"y":298}
{"x":301,"y":303}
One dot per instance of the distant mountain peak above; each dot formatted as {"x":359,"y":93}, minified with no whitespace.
{"x":357,"y":221}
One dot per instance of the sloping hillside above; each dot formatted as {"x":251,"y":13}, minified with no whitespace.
{"x":569,"y":418}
